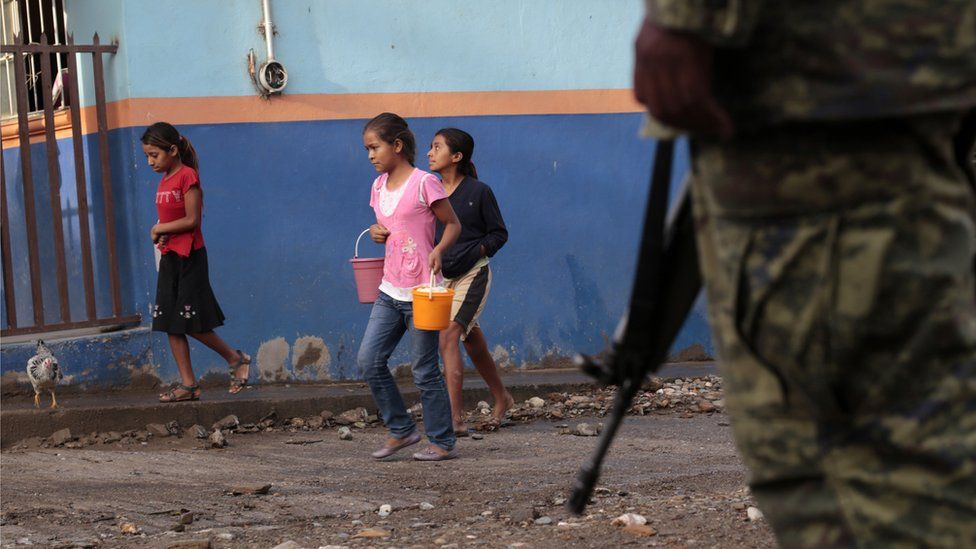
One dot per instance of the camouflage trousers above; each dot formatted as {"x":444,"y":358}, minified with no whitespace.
{"x":838,"y":264}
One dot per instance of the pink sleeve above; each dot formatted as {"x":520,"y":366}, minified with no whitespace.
{"x":373,"y":192}
{"x":431,"y":189}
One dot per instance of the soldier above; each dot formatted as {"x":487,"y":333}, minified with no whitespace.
{"x":837,"y":233}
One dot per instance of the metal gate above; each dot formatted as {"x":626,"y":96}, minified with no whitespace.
{"x":69,"y":79}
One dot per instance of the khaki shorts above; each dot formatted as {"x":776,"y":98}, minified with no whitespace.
{"x":470,"y":294}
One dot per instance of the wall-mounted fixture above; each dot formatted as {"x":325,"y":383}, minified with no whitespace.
{"x":271,"y":77}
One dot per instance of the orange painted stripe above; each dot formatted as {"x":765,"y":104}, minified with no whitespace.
{"x":10,"y":130}
{"x":302,"y":107}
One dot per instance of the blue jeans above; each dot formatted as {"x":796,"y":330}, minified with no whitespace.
{"x":388,"y":321}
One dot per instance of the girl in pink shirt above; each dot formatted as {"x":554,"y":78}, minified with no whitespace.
{"x":407,"y":202}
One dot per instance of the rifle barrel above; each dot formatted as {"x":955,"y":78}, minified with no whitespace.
{"x":666,"y":285}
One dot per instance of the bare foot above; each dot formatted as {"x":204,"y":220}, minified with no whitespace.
{"x":489,"y":425}
{"x":460,"y":428}
{"x":498,"y":412}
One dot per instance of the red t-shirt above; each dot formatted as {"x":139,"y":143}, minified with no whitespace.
{"x":170,"y":207}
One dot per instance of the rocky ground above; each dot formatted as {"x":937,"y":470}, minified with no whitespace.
{"x":672,"y":479}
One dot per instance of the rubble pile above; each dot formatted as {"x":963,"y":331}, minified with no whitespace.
{"x":685,"y":396}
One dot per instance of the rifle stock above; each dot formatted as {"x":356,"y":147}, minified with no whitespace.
{"x":666,"y":284}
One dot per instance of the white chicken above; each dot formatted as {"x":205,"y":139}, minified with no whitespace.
{"x":44,"y":373}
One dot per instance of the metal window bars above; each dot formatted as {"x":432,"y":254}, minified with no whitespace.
{"x":35,"y":22}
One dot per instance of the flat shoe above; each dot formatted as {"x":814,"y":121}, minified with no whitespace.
{"x":429,"y":455}
{"x":462,"y":433}
{"x":387,"y":451}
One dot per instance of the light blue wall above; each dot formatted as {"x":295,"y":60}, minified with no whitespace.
{"x":191,"y":48}
{"x":107,"y":18}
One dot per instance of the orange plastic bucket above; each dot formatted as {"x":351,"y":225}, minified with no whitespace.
{"x":432,"y":307}
{"x":368,"y":273}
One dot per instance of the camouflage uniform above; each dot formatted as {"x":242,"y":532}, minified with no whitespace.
{"x":837,"y":234}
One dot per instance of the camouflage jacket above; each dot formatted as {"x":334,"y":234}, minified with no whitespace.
{"x":803,"y":60}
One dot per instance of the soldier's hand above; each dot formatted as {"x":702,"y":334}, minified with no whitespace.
{"x":673,"y":79}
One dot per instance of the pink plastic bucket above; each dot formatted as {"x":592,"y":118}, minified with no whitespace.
{"x":368,"y":273}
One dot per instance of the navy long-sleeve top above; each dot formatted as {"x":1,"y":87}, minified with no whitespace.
{"x":481,"y":225}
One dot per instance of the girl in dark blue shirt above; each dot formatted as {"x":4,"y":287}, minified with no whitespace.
{"x":466,"y":270}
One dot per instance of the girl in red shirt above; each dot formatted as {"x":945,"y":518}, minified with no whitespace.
{"x":185,"y":303}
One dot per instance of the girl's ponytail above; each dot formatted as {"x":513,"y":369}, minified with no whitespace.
{"x":460,"y":141}
{"x":165,"y":136}
{"x":188,"y":155}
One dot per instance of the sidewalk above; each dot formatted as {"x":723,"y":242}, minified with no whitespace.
{"x":123,"y":411}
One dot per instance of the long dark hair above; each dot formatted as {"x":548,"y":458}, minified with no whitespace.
{"x":165,"y":136}
{"x":460,"y":141}
{"x":389,"y":127}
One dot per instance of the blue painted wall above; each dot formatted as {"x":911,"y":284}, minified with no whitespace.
{"x":284,"y":203}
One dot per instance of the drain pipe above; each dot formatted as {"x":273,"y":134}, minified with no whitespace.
{"x":272,"y":75}
{"x":268,"y":28}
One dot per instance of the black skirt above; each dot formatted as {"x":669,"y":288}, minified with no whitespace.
{"x":185,"y":304}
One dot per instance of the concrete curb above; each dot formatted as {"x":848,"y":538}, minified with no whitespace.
{"x":123,"y":412}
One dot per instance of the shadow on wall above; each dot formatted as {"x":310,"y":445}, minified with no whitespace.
{"x":591,"y":310}
{"x":592,"y":314}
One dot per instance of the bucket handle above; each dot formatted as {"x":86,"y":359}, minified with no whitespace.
{"x":430,"y":287}
{"x":355,"y":253}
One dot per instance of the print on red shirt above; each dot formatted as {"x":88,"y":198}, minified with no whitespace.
{"x":170,"y":206}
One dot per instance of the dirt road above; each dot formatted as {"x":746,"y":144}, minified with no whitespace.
{"x":681,"y":473}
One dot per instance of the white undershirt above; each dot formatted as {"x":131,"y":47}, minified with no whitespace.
{"x":389,"y":199}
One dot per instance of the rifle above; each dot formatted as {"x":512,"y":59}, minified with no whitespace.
{"x":665,"y":287}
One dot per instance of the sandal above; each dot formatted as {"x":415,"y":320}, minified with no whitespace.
{"x":237,"y":384}
{"x":190,"y":392}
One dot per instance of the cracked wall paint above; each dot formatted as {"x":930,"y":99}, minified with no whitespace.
{"x":145,"y":376}
{"x":403,"y":371}
{"x":310,"y":359}
{"x":15,"y":377}
{"x":272,"y":359}
{"x":89,"y":363}
{"x":503,"y":358}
